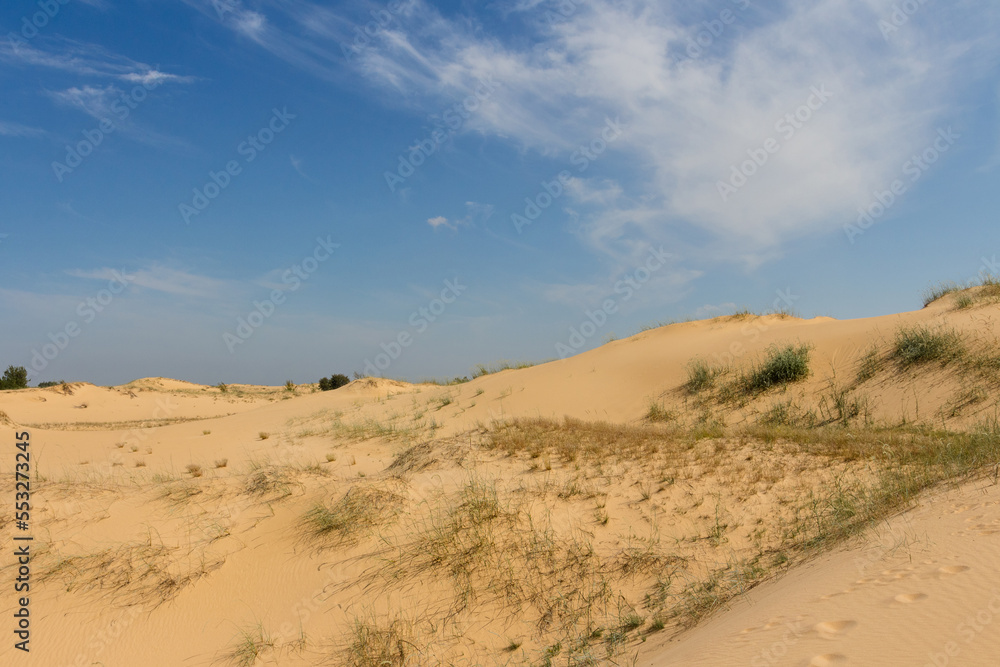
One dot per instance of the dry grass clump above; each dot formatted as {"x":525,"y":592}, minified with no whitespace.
{"x":179,"y":493}
{"x":574,"y":439}
{"x":266,"y":479}
{"x":221,"y":463}
{"x":146,"y":573}
{"x":373,"y":645}
{"x":658,"y":413}
{"x":194,"y":469}
{"x":250,"y":645}
{"x":355,"y":513}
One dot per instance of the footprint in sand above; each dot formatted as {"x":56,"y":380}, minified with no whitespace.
{"x":830,"y":596}
{"x":952,"y":569}
{"x":909,"y":598}
{"x":834,"y":629}
{"x":828,"y":660}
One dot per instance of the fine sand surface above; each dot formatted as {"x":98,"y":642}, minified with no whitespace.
{"x":544,"y":515}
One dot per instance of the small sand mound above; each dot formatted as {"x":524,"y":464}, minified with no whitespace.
{"x":370,"y":384}
{"x":159,"y":383}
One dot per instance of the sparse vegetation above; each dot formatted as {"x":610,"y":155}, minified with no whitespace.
{"x":701,"y":376}
{"x":264,"y":435}
{"x":250,"y":646}
{"x":358,"y":510}
{"x":488,"y":369}
{"x":869,"y":365}
{"x":658,"y":413}
{"x":375,"y":646}
{"x":939,"y":291}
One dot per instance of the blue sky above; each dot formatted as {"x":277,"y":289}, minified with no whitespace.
{"x":256,"y":191}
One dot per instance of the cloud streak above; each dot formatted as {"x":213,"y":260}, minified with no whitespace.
{"x":60,"y":53}
{"x":160,"y":278}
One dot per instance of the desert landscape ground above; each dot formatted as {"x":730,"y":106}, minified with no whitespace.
{"x":746,"y":490}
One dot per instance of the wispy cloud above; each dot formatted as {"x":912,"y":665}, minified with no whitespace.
{"x":109,"y":102}
{"x":9,"y":129}
{"x":160,"y":278}
{"x":81,"y":58}
{"x":476,"y":214}
{"x":297,"y":166}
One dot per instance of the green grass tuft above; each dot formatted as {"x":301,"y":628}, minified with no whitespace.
{"x":921,"y":345}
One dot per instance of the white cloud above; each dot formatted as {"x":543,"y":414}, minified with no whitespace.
{"x":440,"y":221}
{"x":688,"y":119}
{"x":476,"y":215}
{"x":154,"y":77}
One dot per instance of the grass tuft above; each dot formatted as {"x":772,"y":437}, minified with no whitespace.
{"x":921,"y":345}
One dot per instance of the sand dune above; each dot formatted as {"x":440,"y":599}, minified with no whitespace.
{"x":585,"y":511}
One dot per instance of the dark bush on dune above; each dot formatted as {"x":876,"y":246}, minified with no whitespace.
{"x":43,"y":385}
{"x":333,"y":382}
{"x":15,"y":377}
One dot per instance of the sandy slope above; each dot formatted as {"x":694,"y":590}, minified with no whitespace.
{"x":147,"y":564}
{"x":923,"y":589}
